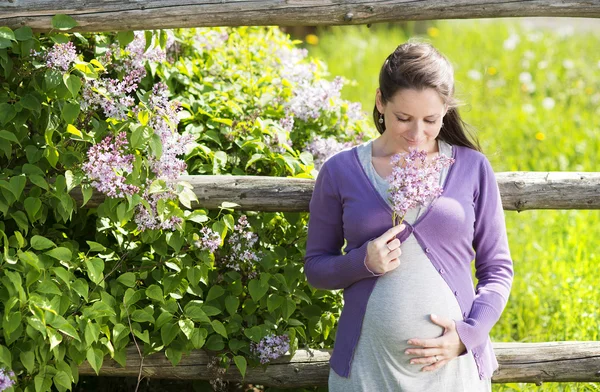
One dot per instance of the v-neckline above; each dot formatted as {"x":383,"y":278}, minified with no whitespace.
{"x":384,"y":202}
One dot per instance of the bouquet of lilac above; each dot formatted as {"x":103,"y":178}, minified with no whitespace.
{"x":414,"y":181}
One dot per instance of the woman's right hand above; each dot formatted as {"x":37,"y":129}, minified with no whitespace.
{"x":384,"y":251}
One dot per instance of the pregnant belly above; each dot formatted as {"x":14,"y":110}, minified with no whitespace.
{"x":402,"y":301}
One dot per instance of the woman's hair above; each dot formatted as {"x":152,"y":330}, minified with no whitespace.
{"x":418,"y":65}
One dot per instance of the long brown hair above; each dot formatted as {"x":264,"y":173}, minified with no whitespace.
{"x":418,"y":65}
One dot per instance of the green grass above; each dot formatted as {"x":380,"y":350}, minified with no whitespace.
{"x":556,"y":291}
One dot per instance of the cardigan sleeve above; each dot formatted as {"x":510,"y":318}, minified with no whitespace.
{"x":324,"y":265}
{"x":493,"y":263}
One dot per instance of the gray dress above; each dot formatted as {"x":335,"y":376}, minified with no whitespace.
{"x":398,"y":309}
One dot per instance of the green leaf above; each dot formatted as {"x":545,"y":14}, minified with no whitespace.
{"x":168,"y":332}
{"x":274,"y":301}
{"x":9,"y":136}
{"x":48,"y":287}
{"x":60,"y":253}
{"x":241,"y":364}
{"x":70,"y":112}
{"x":40,"y":243}
{"x":95,"y":357}
{"x":81,"y":287}
{"x":194,"y":311}
{"x":255,"y":333}
{"x":62,"y":380}
{"x":42,"y":383}
{"x":125,"y":37}
{"x":7,"y":112}
{"x":38,"y":180}
{"x":257,"y":289}
{"x":73,"y":83}
{"x":5,"y":43}
{"x":142,"y":316}
{"x":95,"y":267}
{"x":186,"y":325}
{"x":7,"y":33}
{"x":145,"y":336}
{"x":21,"y":219}
{"x":156,"y":145}
{"x":16,"y":185}
{"x":155,"y":292}
{"x":30,"y":258}
{"x":28,"y":360}
{"x":215,"y":343}
{"x":127,"y":279}
{"x":30,"y":102}
{"x":32,"y":206}
{"x":23,"y":33}
{"x":95,"y":247}
{"x":219,"y":328}
{"x":63,"y":22}
{"x":231,"y":304}
{"x":214,"y":293}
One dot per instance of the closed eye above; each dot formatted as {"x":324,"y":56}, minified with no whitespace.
{"x":406,"y":120}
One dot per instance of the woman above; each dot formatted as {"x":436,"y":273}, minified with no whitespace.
{"x":412,"y":320}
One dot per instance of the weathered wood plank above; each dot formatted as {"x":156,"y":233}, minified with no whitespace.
{"x":157,"y":14}
{"x":518,"y":362}
{"x":519,"y":191}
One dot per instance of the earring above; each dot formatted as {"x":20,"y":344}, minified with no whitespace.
{"x":380,"y":118}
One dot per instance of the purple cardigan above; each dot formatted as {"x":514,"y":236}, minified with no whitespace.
{"x":465,"y":223}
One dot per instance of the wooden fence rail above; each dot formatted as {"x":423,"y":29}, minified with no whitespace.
{"x":159,"y":14}
{"x":519,"y":190}
{"x":518,"y":362}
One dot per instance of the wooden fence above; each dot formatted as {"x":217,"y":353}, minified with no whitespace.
{"x":519,"y":362}
{"x":161,"y":14}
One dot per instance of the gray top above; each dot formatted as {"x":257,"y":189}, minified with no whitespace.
{"x":398,"y":309}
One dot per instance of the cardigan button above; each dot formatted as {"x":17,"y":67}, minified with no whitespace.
{"x":426,"y":250}
{"x":481,"y":375}
{"x":476,"y":355}
{"x":456,"y":293}
{"x":442,"y":271}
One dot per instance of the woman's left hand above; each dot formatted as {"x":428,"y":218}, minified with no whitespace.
{"x":439,"y":351}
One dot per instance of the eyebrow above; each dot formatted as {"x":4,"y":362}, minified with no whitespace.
{"x":406,"y":114}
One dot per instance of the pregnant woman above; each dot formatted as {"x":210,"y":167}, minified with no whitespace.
{"x":412,"y":318}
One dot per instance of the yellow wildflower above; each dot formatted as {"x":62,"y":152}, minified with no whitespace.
{"x":312,"y":39}
{"x":540,"y":136}
{"x":589,"y":90}
{"x":492,"y":71}
{"x":433,"y":32}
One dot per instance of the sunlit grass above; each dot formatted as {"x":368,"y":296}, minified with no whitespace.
{"x":534,"y":100}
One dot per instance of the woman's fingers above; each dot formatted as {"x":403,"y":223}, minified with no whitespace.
{"x":435,"y":365}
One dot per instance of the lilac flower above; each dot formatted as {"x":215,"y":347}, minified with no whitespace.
{"x":210,"y":38}
{"x":414,"y":180}
{"x":164,"y":122}
{"x":322,"y":148}
{"x":146,"y":219}
{"x":107,"y":164}
{"x":291,"y":65}
{"x":241,"y":256}
{"x":271,"y":347}
{"x":6,"y":379}
{"x":210,"y":240}
{"x":310,"y":100}
{"x":60,"y":56}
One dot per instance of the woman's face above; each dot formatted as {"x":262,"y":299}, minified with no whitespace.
{"x":413,"y":118}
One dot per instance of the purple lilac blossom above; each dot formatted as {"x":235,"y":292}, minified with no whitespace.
{"x":6,"y":379}
{"x":309,"y":101}
{"x":210,"y":239}
{"x":210,"y":38}
{"x":150,"y":219}
{"x":60,"y":56}
{"x":106,"y":165}
{"x":241,"y":256}
{"x":291,"y":63}
{"x":168,"y":167}
{"x":271,"y":347}
{"x":322,"y":148}
{"x":416,"y":182}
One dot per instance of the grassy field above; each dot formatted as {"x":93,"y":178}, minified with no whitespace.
{"x":534,"y":99}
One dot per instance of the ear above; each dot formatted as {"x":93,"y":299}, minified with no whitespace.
{"x":378,"y":103}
